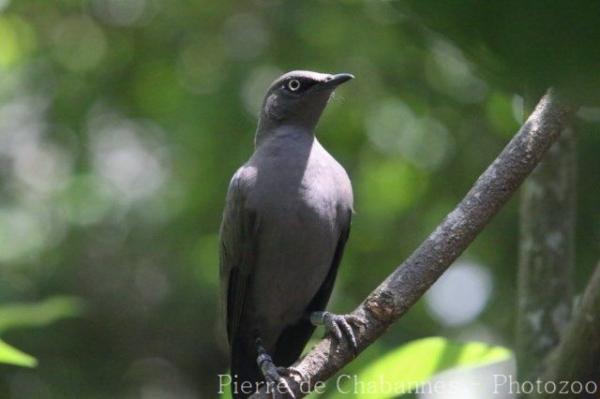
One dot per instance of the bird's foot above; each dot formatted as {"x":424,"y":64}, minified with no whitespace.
{"x":335,"y":324}
{"x":276,"y":384}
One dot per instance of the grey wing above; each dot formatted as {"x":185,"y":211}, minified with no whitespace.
{"x":237,"y":249}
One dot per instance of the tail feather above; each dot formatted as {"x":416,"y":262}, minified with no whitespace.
{"x":243,"y":370}
{"x":291,"y":342}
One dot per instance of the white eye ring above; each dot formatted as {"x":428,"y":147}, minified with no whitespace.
{"x":293,"y":85}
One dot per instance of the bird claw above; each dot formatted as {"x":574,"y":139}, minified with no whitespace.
{"x":276,"y":384}
{"x":338,"y":325}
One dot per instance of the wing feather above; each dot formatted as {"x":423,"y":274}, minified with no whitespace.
{"x":237,"y":250}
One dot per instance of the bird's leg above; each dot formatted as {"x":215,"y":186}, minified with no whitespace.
{"x":335,"y":324}
{"x":272,"y":373}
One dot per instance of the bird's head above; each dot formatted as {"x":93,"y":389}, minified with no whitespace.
{"x":298,"y":98}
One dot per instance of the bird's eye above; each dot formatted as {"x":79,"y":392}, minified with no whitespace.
{"x":293,"y":85}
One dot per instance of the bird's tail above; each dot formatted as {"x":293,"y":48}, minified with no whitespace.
{"x":243,"y":370}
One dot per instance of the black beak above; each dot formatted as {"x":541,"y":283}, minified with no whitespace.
{"x":334,"y":81}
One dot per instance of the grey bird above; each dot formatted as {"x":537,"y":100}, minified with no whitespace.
{"x":286,"y":221}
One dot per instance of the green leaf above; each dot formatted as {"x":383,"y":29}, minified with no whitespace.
{"x":16,"y":315}
{"x":11,"y":355}
{"x":414,"y":363}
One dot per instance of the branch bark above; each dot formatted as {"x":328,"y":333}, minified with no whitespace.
{"x":577,"y":358}
{"x":403,"y":288}
{"x":546,"y":254}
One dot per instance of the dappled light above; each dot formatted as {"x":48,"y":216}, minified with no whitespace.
{"x":461,"y":294}
{"x":395,"y":129}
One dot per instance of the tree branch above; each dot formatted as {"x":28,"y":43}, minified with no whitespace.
{"x":403,"y":288}
{"x":546,"y":254}
{"x":577,"y":358}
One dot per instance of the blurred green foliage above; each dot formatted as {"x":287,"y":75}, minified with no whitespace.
{"x":523,"y":45}
{"x":121,"y":123}
{"x":11,"y":355}
{"x":411,"y":365}
{"x":19,"y":315}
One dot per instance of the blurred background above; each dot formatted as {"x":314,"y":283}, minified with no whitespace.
{"x":122,"y":121}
